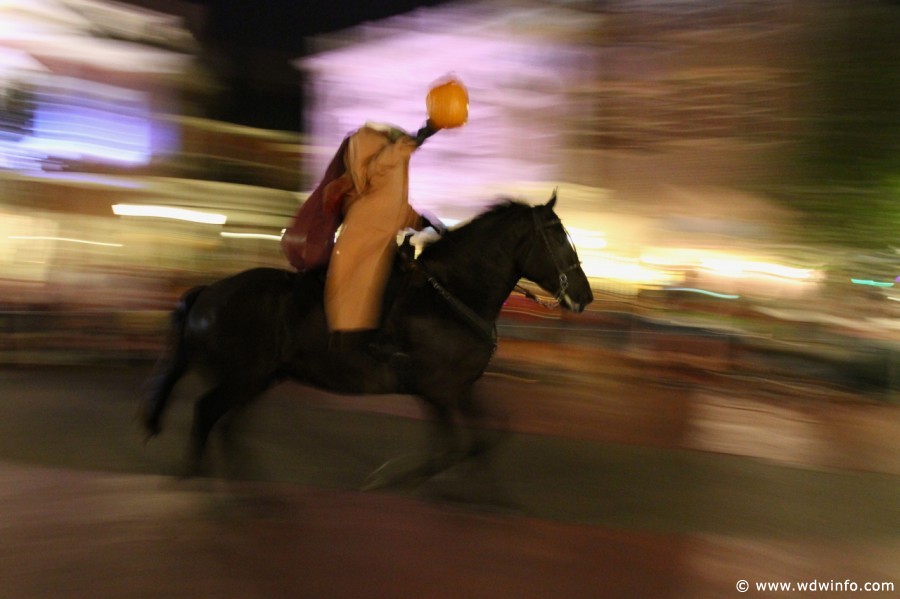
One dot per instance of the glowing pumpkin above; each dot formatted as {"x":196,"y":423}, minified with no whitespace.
{"x":448,"y":105}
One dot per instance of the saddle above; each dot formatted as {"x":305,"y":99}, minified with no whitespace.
{"x":309,"y":287}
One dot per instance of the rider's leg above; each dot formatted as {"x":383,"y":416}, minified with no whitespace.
{"x":354,"y":287}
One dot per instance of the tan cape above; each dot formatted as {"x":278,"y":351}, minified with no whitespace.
{"x":376,"y":208}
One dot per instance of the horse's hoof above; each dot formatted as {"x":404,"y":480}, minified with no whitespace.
{"x":472,"y":486}
{"x":379,"y":483}
{"x":150,"y":426}
{"x":400,"y":472}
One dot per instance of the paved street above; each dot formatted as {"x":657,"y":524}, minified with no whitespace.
{"x":620,"y":484}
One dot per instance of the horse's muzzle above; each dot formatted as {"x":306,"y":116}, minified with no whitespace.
{"x":577,"y":305}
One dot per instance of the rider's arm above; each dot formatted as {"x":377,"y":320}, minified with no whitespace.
{"x":372,"y":155}
{"x":394,"y":155}
{"x":413,"y":220}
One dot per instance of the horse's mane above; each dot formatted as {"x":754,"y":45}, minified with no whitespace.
{"x":501,"y":209}
{"x":502,"y":206}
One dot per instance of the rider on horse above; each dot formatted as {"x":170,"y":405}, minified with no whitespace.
{"x":373,"y":192}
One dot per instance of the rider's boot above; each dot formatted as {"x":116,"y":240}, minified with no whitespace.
{"x":364,"y":361}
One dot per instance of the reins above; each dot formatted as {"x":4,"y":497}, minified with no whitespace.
{"x":529,"y":295}
{"x":486,"y":330}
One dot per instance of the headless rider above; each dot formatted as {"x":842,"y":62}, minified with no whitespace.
{"x":375,"y":205}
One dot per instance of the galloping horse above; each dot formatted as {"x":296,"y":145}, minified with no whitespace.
{"x":253,"y":329}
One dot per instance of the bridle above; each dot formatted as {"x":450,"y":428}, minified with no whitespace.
{"x":541,"y":227}
{"x":488,"y":330}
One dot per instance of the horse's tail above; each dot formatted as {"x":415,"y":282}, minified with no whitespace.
{"x":170,"y":367}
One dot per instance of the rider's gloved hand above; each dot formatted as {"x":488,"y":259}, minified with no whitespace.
{"x":425,"y":132}
{"x":395,"y":133}
{"x":430,"y":220}
{"x":407,"y":250}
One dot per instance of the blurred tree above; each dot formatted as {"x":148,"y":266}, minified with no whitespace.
{"x":849,"y":177}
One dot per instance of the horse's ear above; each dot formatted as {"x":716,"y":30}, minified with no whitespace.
{"x":552,"y":201}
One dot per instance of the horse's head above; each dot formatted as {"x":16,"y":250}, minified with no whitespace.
{"x":552,"y":262}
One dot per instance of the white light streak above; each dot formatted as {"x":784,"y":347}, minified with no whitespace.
{"x":154,"y":211}
{"x":738,"y":268}
{"x":65,"y":239}
{"x":252,"y":235}
{"x":704,"y":292}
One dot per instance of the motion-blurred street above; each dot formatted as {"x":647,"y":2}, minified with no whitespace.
{"x":721,"y":421}
{"x":625,"y":481}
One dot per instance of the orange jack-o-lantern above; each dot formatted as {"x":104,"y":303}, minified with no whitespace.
{"x":448,"y":105}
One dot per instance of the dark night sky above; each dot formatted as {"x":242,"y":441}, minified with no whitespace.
{"x":249,"y":45}
{"x":281,"y":24}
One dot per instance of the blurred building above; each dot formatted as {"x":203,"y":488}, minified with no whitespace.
{"x":655,"y":119}
{"x":83,"y":81}
{"x":101,"y":105}
{"x":115,"y":192}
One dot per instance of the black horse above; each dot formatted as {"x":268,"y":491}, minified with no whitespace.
{"x":258,"y":327}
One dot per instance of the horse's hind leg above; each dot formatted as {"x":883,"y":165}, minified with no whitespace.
{"x":170,"y":368}
{"x":209,"y":409}
{"x":159,"y":388}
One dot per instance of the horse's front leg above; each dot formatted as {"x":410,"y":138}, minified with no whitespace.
{"x":445,"y":450}
{"x":474,"y":480}
{"x":487,"y":428}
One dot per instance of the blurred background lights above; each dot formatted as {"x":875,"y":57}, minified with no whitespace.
{"x":674,"y":132}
